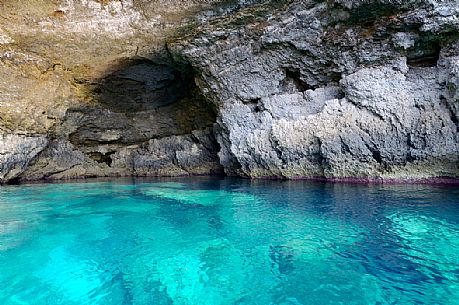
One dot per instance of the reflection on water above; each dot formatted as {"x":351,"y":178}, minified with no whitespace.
{"x":211,"y":241}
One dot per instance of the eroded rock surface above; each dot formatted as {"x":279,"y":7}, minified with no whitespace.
{"x":286,"y":89}
{"x":16,"y":151}
{"x":344,"y":89}
{"x":94,"y":80}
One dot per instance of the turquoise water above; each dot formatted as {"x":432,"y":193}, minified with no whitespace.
{"x":228,"y":241}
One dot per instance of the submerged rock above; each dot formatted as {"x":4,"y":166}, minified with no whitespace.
{"x":429,"y":242}
{"x":284,"y":89}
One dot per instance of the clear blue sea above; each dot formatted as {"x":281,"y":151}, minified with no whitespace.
{"x":228,"y":241}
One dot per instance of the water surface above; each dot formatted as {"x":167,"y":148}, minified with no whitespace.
{"x":213,"y":241}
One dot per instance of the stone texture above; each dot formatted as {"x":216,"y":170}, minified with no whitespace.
{"x":451,"y":97}
{"x":16,"y":152}
{"x":346,"y":89}
{"x":175,"y":156}
{"x":184,"y":155}
{"x":285,"y":89}
{"x":95,"y":81}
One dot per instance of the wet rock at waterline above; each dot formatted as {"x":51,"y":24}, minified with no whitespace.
{"x":284,"y":89}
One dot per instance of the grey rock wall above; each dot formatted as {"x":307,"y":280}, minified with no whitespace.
{"x":335,"y":90}
{"x":284,"y":89}
{"x":184,"y":155}
{"x":16,"y":152}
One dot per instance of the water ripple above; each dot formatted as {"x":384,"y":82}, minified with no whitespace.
{"x":211,"y":241}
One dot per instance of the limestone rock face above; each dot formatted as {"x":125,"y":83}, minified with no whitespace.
{"x":193,"y":154}
{"x":337,"y":90}
{"x":16,"y":151}
{"x":255,"y":88}
{"x":94,"y":82}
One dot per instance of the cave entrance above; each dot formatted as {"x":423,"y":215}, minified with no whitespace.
{"x":138,"y":100}
{"x":140,"y":84}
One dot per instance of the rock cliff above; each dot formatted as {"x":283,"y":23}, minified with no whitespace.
{"x":286,"y":89}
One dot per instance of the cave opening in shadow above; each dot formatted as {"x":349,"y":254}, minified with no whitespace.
{"x":293,"y":81}
{"x":101,"y":157}
{"x":425,"y":53}
{"x":138,"y":99}
{"x":135,"y":101}
{"x":367,"y":14}
{"x":141,"y":84}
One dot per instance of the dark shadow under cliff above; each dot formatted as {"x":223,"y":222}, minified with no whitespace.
{"x":139,"y":84}
{"x":137,"y":100}
{"x":141,"y":98}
